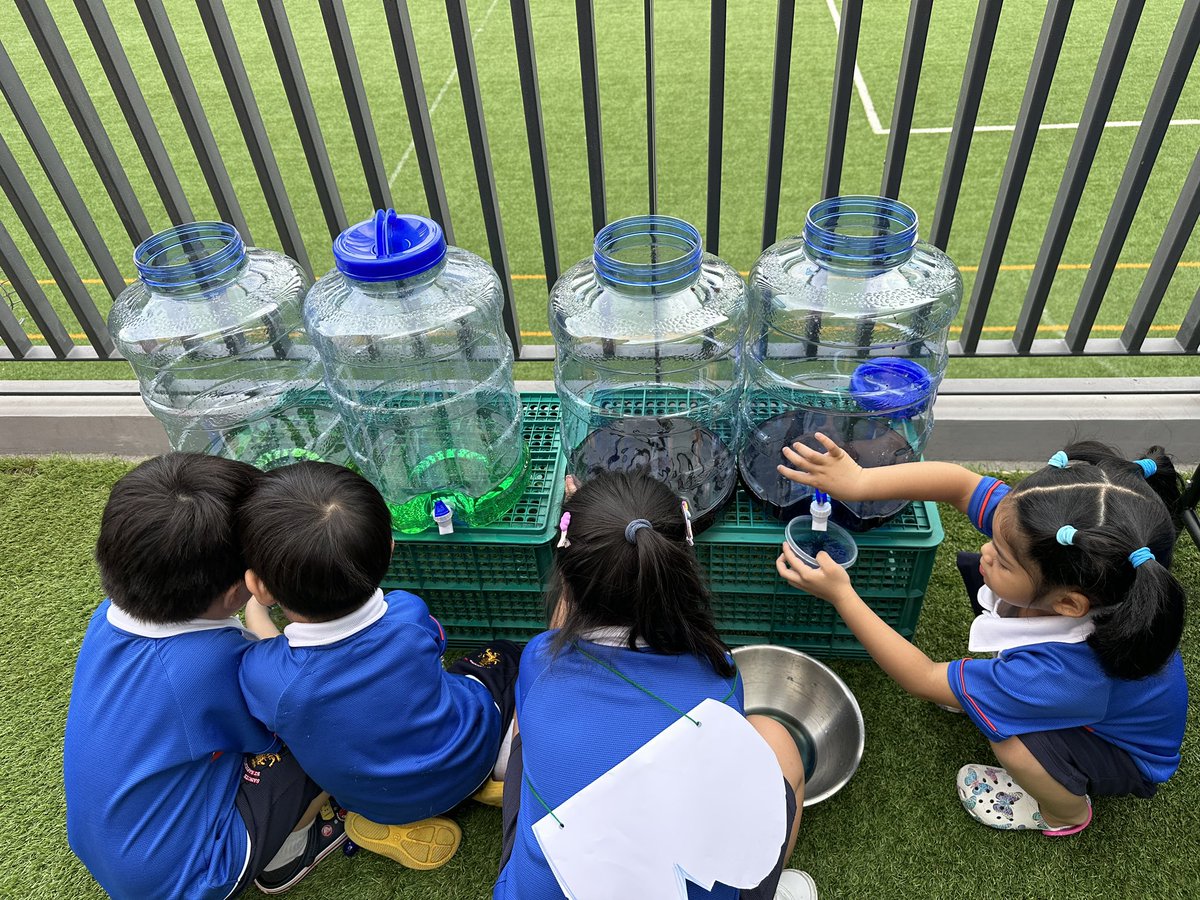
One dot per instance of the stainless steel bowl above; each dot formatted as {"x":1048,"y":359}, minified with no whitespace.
{"x":814,"y":704}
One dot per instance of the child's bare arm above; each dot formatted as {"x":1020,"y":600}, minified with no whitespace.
{"x":258,"y":619}
{"x":904,"y":663}
{"x":835,"y":473}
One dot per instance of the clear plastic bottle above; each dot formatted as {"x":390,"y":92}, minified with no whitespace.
{"x":847,"y":337}
{"x":214,"y":331}
{"x":417,"y":361}
{"x":647,"y":370}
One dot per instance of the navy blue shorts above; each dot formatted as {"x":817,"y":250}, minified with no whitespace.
{"x":273,"y":794}
{"x":1085,"y":763}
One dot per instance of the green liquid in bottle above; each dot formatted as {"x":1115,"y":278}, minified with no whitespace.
{"x":416,"y":514}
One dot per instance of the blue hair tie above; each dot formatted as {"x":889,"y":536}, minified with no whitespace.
{"x":1058,"y":460}
{"x":1149,"y":466}
{"x":1066,"y":535}
{"x":1140,"y":555}
{"x":634,"y":527}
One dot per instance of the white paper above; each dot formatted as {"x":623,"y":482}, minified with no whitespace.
{"x":701,"y":804}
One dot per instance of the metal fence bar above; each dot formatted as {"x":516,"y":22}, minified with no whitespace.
{"x":195,"y":120}
{"x":1189,"y":332}
{"x":133,"y":106}
{"x":56,"y":171}
{"x":341,"y":44}
{"x":12,"y":335}
{"x":55,"y":256}
{"x":915,"y":34}
{"x":983,"y":36}
{"x":45,"y":34}
{"x":590,"y":76}
{"x":254,"y":131}
{"x":1163,"y":97}
{"x":295,"y":85}
{"x":777,"y":129}
{"x":1033,"y":104}
{"x":531,"y":100}
{"x":843,"y":88}
{"x":404,"y":46}
{"x":716,"y":122}
{"x":1112,"y":60}
{"x":468,"y":76}
{"x":36,"y":302}
{"x":651,"y":149}
{"x":1166,"y":258}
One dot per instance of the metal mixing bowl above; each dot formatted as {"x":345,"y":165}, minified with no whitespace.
{"x":814,"y":704}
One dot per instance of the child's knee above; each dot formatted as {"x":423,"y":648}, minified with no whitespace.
{"x":780,"y":740}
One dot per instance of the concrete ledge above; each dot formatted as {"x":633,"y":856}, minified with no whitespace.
{"x":1004,"y":422}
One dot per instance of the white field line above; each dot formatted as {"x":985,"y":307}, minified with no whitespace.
{"x":450,"y":79}
{"x":860,"y":85}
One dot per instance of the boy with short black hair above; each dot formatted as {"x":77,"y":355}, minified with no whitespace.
{"x":173,"y":789}
{"x":355,"y":685}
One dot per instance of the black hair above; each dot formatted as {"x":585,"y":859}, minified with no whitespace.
{"x":1115,"y":509}
{"x":319,"y":536}
{"x":167,"y":547}
{"x":651,"y":584}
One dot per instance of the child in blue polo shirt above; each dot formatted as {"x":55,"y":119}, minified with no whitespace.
{"x":633,"y":649}
{"x":173,"y":789}
{"x":355,"y":684}
{"x":1086,"y":694}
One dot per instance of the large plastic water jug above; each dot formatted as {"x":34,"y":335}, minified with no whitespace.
{"x":417,"y":361}
{"x":214,"y":331}
{"x":848,"y":338}
{"x":647,"y":369}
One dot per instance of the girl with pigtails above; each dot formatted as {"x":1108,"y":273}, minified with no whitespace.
{"x":1079,"y":685}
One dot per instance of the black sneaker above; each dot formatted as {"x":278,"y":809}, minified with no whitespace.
{"x":326,"y":834}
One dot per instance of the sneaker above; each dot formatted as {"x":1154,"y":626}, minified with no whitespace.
{"x":992,"y":798}
{"x":491,"y":794}
{"x":423,"y":845}
{"x":796,"y":885}
{"x":325,"y":834}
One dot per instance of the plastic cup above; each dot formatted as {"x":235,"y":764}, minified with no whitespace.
{"x":806,"y":543}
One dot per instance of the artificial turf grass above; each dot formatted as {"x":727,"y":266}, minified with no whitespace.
{"x":896,"y":830}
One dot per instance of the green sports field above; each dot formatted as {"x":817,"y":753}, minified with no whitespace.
{"x":681,"y":30}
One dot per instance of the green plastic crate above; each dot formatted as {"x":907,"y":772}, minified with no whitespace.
{"x":488,"y":583}
{"x":753,"y":605}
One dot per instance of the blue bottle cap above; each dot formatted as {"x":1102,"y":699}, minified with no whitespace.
{"x":389,"y":247}
{"x":897,"y":386}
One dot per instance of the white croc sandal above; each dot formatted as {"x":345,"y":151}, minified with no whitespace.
{"x":992,"y":798}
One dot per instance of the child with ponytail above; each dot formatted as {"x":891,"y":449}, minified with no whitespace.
{"x":1085,"y":694}
{"x":632,"y":650}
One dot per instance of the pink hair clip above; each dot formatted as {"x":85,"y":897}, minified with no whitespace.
{"x":687,"y":522}
{"x":563,"y":524}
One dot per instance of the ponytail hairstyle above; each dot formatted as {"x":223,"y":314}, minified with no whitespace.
{"x":1115,"y":508}
{"x":642,"y":577}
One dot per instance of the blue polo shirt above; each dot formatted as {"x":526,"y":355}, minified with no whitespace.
{"x":152,"y":759}
{"x":370,"y":713}
{"x":577,"y":721}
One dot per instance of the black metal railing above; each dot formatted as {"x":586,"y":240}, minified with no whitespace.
{"x":56,"y":258}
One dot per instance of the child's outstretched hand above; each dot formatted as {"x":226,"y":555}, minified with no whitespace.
{"x":830,"y":582}
{"x":833,"y":471}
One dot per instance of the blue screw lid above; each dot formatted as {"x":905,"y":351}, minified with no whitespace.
{"x":899,"y":386}
{"x":389,"y":247}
